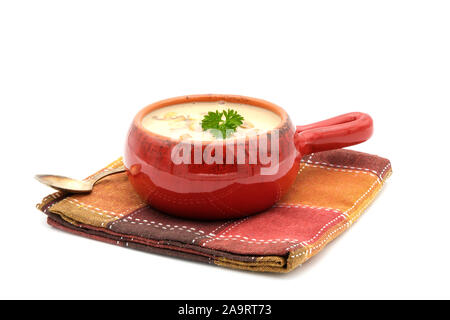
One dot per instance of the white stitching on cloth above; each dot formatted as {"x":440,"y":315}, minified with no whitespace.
{"x":132,"y":220}
{"x":87,"y":209}
{"x":385,"y":168}
{"x":304,"y":162}
{"x":308,"y":162}
{"x":211,"y":234}
{"x":330,"y":235}
{"x":92,"y":208}
{"x":345,"y":213}
{"x":304,"y":206}
{"x":262,"y":241}
{"x":236,"y":223}
{"x":342,"y":170}
{"x":255,"y":241}
{"x":48,"y":208}
{"x":118,"y":220}
{"x":339,"y":166}
{"x":158,"y":225}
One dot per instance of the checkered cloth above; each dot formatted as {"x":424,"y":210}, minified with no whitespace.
{"x":332,"y":190}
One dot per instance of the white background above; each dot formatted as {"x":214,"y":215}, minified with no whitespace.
{"x":74,"y":73}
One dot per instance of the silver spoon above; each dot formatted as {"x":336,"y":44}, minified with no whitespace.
{"x":62,"y":183}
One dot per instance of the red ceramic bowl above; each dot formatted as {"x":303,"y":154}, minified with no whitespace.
{"x":230,"y":190}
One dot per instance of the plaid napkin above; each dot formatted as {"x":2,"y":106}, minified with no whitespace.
{"x":332,"y":190}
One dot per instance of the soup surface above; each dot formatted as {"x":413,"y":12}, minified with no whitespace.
{"x":184,"y":121}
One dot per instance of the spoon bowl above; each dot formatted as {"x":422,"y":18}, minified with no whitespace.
{"x":66,"y":184}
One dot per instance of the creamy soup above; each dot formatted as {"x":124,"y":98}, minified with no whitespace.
{"x":183,"y":121}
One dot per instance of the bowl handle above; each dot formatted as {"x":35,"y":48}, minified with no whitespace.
{"x":338,"y":132}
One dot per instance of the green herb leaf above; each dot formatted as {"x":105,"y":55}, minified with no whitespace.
{"x":222,"y":128}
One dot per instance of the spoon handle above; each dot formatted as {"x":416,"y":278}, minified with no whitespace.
{"x":105,"y":173}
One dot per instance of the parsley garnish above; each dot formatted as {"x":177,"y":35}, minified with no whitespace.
{"x":222,"y":128}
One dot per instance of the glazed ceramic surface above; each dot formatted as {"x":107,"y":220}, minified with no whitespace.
{"x":211,"y":191}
